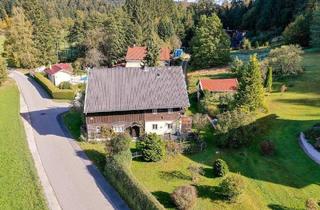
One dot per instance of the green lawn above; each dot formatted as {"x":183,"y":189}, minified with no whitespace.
{"x":283,"y":181}
{"x":19,"y":185}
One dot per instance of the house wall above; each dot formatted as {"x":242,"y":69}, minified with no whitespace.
{"x":138,"y":63}
{"x":162,"y":127}
{"x":144,"y":119}
{"x":59,"y":77}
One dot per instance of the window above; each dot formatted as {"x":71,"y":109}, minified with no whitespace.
{"x":154,"y":111}
{"x":98,"y":129}
{"x":118,"y":129}
{"x":154,"y":126}
{"x":170,"y":126}
{"x":170,"y":110}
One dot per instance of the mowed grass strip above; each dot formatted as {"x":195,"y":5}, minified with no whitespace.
{"x":19,"y":185}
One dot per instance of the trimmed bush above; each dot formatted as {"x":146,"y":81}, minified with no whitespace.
{"x":220,"y":168}
{"x":184,"y":197}
{"x":267,"y":148}
{"x":232,"y":187}
{"x":120,"y":143}
{"x":152,"y":148}
{"x":65,"y":85}
{"x":121,"y":178}
{"x":54,"y":92}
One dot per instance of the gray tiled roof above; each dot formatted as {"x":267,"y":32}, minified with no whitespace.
{"x":128,"y":89}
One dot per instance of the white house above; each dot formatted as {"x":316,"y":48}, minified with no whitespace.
{"x":58,"y":73}
{"x":135,"y":56}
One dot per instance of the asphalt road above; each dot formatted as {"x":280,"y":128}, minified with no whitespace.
{"x":75,"y":181}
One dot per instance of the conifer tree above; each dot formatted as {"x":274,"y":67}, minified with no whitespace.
{"x":250,"y":94}
{"x":153,"y":53}
{"x":210,"y":45}
{"x":3,"y":70}
{"x":42,"y":34}
{"x":269,"y":80}
{"x":19,"y":46}
{"x":315,"y":27}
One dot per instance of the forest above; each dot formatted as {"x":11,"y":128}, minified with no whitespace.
{"x":98,"y":32}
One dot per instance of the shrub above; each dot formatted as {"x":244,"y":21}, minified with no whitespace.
{"x":285,"y":60}
{"x":174,"y":148}
{"x":119,"y":143}
{"x":199,"y":122}
{"x":195,"y":171}
{"x":311,"y":204}
{"x":220,"y":168}
{"x":107,"y":133}
{"x":235,"y":128}
{"x":232,"y":187}
{"x":283,"y":88}
{"x":267,"y":147}
{"x":152,"y":147}
{"x":55,"y":92}
{"x":65,"y":85}
{"x":246,"y":44}
{"x":184,"y":197}
{"x":121,"y":178}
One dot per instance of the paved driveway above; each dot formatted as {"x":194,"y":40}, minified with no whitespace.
{"x":76,"y":184}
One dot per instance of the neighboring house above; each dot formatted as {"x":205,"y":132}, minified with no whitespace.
{"x":149,"y":100}
{"x":217,"y":86}
{"x":61,"y":72}
{"x":135,"y":56}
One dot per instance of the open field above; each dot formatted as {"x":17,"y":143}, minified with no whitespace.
{"x":283,"y":181}
{"x":20,"y":188}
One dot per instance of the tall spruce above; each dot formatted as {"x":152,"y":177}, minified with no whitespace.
{"x":42,"y":34}
{"x":210,"y":45}
{"x":315,"y":27}
{"x":250,"y":95}
{"x":153,"y":53}
{"x":19,"y":46}
{"x":3,"y":70}
{"x":269,"y":80}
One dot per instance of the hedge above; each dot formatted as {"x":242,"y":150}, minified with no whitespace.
{"x":129,"y":188}
{"x":54,"y":91}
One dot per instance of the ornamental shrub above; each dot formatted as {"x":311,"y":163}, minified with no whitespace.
{"x":65,"y":85}
{"x":184,"y":197}
{"x":232,"y":187}
{"x":118,"y":144}
{"x":152,"y":148}
{"x":220,"y":168}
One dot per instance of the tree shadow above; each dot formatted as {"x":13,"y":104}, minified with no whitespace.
{"x":170,"y":175}
{"x":280,"y":207}
{"x":164,"y":198}
{"x":206,"y":191}
{"x":303,"y":101}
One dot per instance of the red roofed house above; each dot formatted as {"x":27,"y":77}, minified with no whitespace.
{"x":61,"y":72}
{"x":135,"y":56}
{"x":217,"y":86}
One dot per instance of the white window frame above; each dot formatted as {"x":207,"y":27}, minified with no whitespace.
{"x":170,"y":126}
{"x":118,"y":129}
{"x":170,"y":110}
{"x":154,"y":111}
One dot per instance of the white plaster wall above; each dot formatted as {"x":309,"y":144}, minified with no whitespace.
{"x":133,"y":64}
{"x":61,"y":77}
{"x":162,"y":127}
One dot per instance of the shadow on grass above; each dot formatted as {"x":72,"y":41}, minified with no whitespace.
{"x":279,"y":207}
{"x":98,"y":158}
{"x":205,"y":191}
{"x":170,"y":175}
{"x":303,"y":101}
{"x":164,"y":199}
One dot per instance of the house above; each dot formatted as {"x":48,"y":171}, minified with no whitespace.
{"x":61,"y":72}
{"x":217,"y":86}
{"x":135,"y":56}
{"x":137,"y":101}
